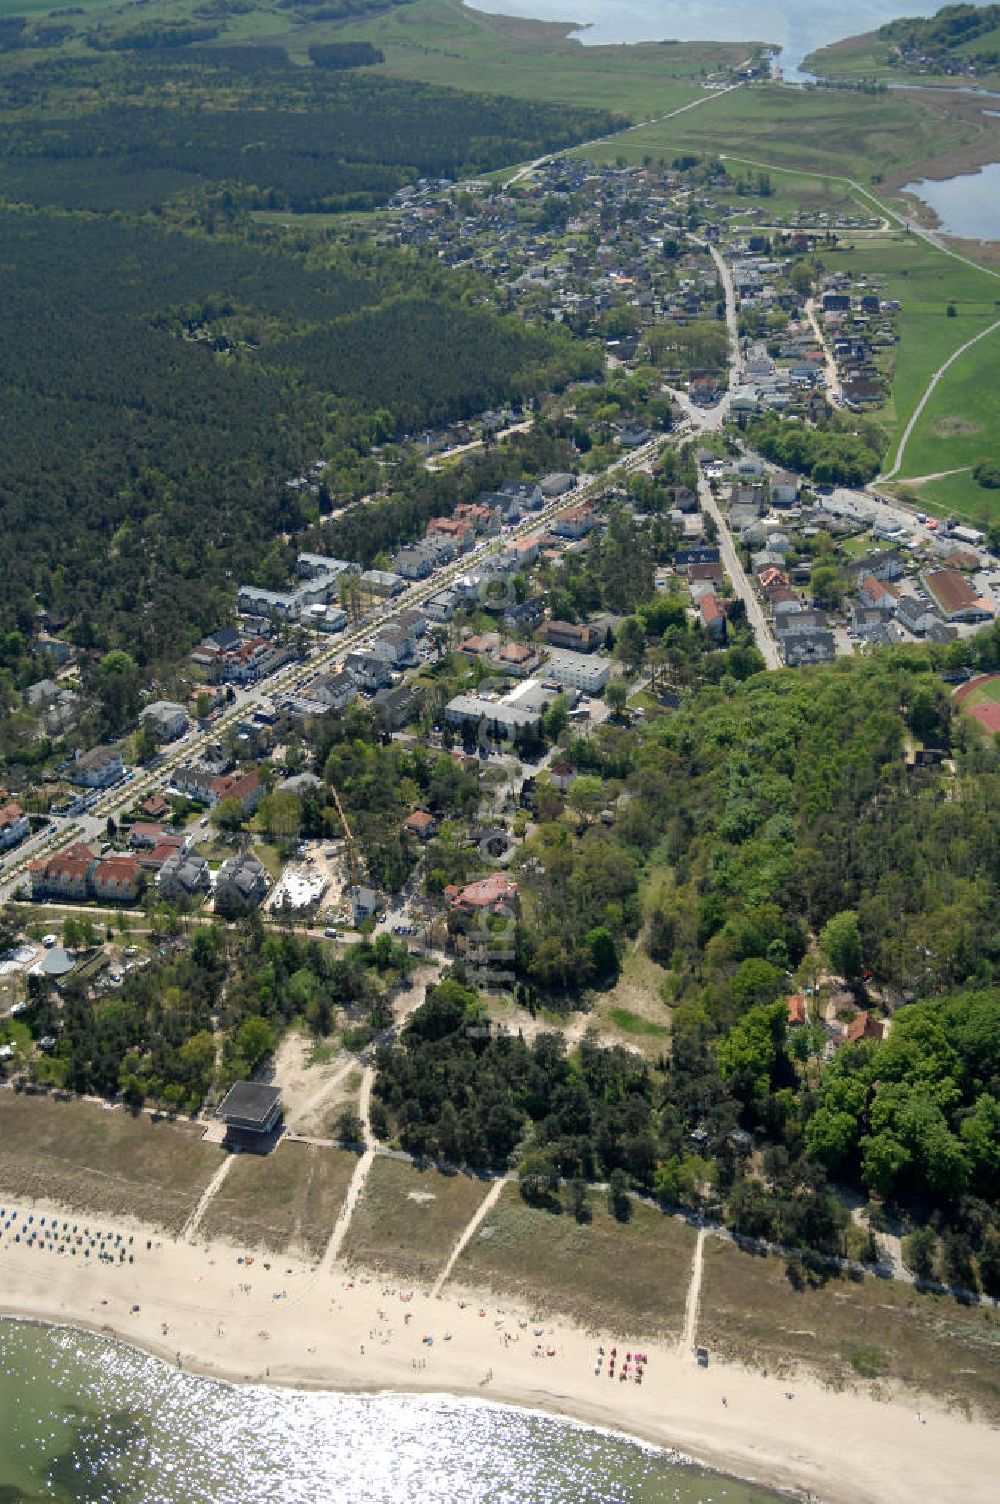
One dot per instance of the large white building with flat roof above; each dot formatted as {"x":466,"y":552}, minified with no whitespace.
{"x":588,"y":672}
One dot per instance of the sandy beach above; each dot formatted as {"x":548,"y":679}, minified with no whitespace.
{"x":266,"y":1318}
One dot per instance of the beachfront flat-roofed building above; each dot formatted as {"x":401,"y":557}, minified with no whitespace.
{"x":251,"y":1112}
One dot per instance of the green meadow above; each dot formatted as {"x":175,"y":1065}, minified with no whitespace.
{"x":441,"y":42}
{"x":863,"y":136}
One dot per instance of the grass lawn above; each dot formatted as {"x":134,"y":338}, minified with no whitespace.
{"x":630,"y":1276}
{"x":286,"y":1201}
{"x":634,"y":1007}
{"x":442,"y":42}
{"x":632,"y":1023}
{"x":103,"y":1162}
{"x":925,"y":281}
{"x":847,"y":1331}
{"x":408,"y":1220}
{"x":957,"y":494}
{"x":794,"y":193}
{"x":961,"y":422}
{"x":269,"y":858}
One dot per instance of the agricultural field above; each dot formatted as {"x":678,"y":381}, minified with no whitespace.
{"x":848,"y":1332}
{"x":548,"y":1261}
{"x":408,"y":1221}
{"x":103,"y":1162}
{"x":286,"y":1201}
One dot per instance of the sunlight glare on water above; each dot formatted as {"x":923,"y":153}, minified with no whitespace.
{"x":86,"y":1419}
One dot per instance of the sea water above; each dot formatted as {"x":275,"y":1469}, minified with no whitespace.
{"x":967,"y":204}
{"x":798,"y":27}
{"x":92,"y":1421}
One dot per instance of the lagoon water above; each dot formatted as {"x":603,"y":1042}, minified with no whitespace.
{"x":84,"y":1420}
{"x":967,"y":205}
{"x":796,"y":26}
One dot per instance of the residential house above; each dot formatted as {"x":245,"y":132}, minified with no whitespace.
{"x":515,"y":658}
{"x":117,"y":879}
{"x":241,"y":885}
{"x":485,"y":521}
{"x":797,"y":1009}
{"x":577,"y":637}
{"x":915,"y":616}
{"x":147,"y":835}
{"x":14,"y":826}
{"x":318,"y":567}
{"x":863,"y":1026}
{"x":872,"y":592}
{"x":705,"y":553}
{"x":442,"y":607}
{"x":394,"y":708}
{"x":395,"y":645}
{"x":330,"y":692}
{"x":415,"y":620}
{"x":682,"y":499}
{"x":367,"y":669}
{"x":867,"y":622}
{"x":883,"y":564}
{"x":155,"y":807}
{"x":60,"y":652}
{"x":165,"y":720}
{"x":206,"y":788}
{"x":458,"y":530}
{"x":324,"y":618}
{"x":713,"y":618}
{"x":496,"y":894}
{"x":574,"y":522}
{"x":420,"y":824}
{"x":42,"y":694}
{"x":804,"y":637}
{"x":65,"y":875}
{"x":524,"y":616}
{"x":382,"y":583}
{"x":279,"y":604}
{"x":744,"y":517}
{"x":415,"y":563}
{"x":480,"y":645}
{"x":245,"y":788}
{"x":365,"y":903}
{"x":556,"y":484}
{"x":526,"y":549}
{"x":184,"y":876}
{"x":784,"y":489}
{"x":529,"y":494}
{"x":98,"y":768}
